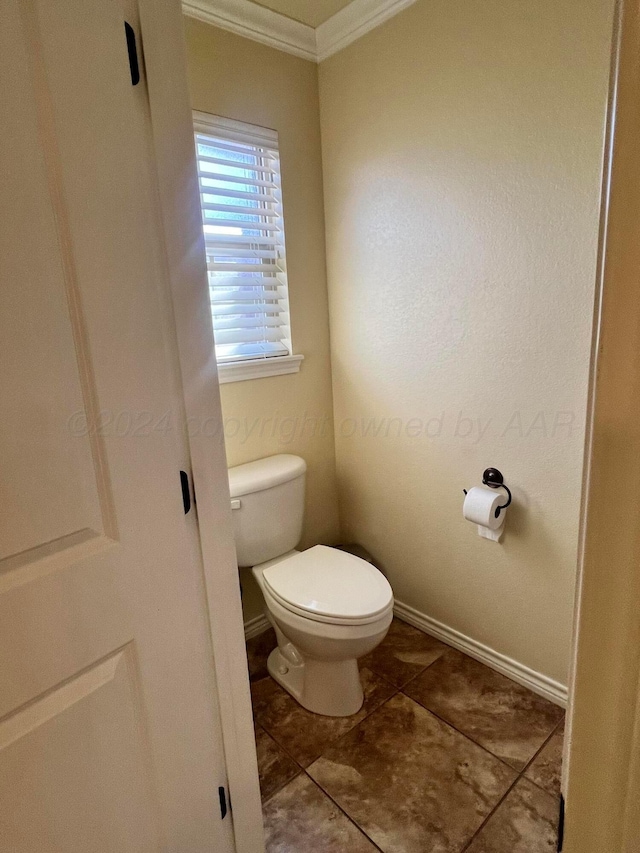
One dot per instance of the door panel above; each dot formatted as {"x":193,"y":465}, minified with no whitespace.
{"x":109,"y":727}
{"x":40,"y":382}
{"x":45,"y":762}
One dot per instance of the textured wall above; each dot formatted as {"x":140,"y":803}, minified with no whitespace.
{"x":240,"y":79}
{"x":462,"y":147}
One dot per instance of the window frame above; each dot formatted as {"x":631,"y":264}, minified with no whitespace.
{"x":258,"y":367}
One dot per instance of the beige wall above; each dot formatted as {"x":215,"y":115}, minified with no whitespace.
{"x":240,"y":79}
{"x":462,"y":145}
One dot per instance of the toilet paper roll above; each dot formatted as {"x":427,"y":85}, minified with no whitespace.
{"x":480,"y":506}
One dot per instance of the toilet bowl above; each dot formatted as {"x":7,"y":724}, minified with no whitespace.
{"x":328,"y":607}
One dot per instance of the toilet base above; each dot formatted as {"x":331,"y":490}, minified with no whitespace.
{"x":330,"y":688}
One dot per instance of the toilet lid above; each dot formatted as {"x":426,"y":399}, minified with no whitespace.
{"x":331,"y":583}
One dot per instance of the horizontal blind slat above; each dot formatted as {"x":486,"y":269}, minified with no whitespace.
{"x":239,"y":223}
{"x":218,"y":192}
{"x":225,"y":240}
{"x":244,"y":280}
{"x":228,"y":323}
{"x":242,"y":352}
{"x":240,"y":336}
{"x":236,"y":208}
{"x":222,"y":267}
{"x":236,"y":179}
{"x":244,"y":309}
{"x":224,"y":297}
{"x":238,"y":148}
{"x":242,"y":255}
{"x":258,"y":164}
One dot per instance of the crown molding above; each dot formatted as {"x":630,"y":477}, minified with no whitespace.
{"x":267,"y":27}
{"x":354,"y":21}
{"x":256,"y":23}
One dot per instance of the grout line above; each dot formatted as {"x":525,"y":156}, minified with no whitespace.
{"x":385,"y":678}
{"x":455,"y":728}
{"x":332,"y":742}
{"x":257,"y":722}
{"x":447,"y":648}
{"x":522,"y":775}
{"x":410,"y":679}
{"x":519,"y":773}
{"x":290,"y":757}
{"x":428,"y":666}
{"x":539,"y":787}
{"x":491,"y":814}
{"x":283,"y":748}
{"x":284,"y":785}
{"x":464,"y":734}
{"x":519,"y":778}
{"x":555,"y":729}
{"x":346,"y":814}
{"x":401,"y":691}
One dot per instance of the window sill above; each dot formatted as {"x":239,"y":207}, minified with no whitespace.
{"x":258,"y":368}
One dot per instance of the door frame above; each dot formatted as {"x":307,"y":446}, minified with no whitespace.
{"x":601,"y":780}
{"x":161,"y":26}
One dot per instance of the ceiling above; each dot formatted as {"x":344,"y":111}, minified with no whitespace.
{"x":311,"y":12}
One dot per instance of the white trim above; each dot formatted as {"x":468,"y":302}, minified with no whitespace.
{"x":540,"y":684}
{"x":256,"y":626}
{"x":535,"y":681}
{"x":175,"y":156}
{"x":256,"y":23}
{"x":268,"y":27}
{"x":354,"y":21}
{"x":258,"y":368}
{"x":252,"y":134}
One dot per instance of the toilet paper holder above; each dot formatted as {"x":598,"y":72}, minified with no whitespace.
{"x":494,"y":479}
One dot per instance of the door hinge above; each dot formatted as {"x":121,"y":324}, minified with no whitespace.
{"x":223,"y":802}
{"x":134,"y":65}
{"x":561,"y":824}
{"x":186,"y":491}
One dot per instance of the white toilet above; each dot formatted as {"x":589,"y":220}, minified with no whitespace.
{"x":328,"y":607}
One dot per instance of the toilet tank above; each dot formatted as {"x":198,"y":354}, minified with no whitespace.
{"x":267,"y":507}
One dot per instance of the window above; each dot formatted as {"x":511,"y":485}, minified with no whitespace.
{"x":240,"y":194}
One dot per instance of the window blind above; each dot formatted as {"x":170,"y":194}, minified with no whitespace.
{"x":241,"y":199}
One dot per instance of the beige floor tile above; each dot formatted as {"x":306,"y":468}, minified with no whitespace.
{"x":412,"y":783}
{"x":526,"y":822}
{"x":403,"y":653}
{"x":304,"y":735}
{"x":504,"y":717}
{"x":301,"y":819}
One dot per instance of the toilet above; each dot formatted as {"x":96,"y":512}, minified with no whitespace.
{"x":328,"y":607}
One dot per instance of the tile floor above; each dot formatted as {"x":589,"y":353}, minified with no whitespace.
{"x":445,"y":756}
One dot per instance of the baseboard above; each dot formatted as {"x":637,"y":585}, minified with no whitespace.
{"x":535,"y":681}
{"x":256,"y":626}
{"x":540,"y":684}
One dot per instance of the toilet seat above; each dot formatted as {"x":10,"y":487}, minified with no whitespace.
{"x":327,"y":585}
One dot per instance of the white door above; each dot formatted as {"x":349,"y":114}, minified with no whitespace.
{"x":109,"y":727}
